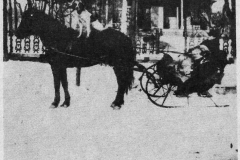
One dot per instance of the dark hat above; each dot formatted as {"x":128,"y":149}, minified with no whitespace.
{"x":213,"y":1}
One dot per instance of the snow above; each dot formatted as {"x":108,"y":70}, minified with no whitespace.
{"x":90,"y":130}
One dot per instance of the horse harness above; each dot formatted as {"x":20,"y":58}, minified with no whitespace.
{"x":79,"y":57}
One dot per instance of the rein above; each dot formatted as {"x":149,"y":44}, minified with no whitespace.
{"x":67,"y":54}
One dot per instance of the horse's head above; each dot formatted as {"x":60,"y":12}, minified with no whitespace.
{"x":28,"y":24}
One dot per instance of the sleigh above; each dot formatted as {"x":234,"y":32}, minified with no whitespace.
{"x":160,"y":81}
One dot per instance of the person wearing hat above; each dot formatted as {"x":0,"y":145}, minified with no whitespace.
{"x":202,"y":76}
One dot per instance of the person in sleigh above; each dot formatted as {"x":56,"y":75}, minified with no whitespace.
{"x":203,"y":76}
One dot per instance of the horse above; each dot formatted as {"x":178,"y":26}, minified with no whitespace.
{"x":109,"y":47}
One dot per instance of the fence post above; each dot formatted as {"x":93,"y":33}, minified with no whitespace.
{"x":157,"y":40}
{"x":185,"y":29}
{"x":78,"y":75}
{"x":15,"y":15}
{"x":133,"y":22}
{"x":10,"y":12}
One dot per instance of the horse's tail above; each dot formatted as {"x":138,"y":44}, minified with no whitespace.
{"x":129,"y":70}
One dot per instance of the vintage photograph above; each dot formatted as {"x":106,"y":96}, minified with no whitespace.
{"x":119,"y":80}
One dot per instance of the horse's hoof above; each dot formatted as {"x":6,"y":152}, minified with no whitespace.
{"x":115,"y":107}
{"x":64,"y":105}
{"x":53,"y":106}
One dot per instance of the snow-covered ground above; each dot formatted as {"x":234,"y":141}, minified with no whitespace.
{"x":90,"y":130}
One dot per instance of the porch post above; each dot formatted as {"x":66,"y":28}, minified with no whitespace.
{"x":10,"y":19}
{"x":133,"y":20}
{"x":106,"y":18}
{"x":181,"y":14}
{"x":15,"y":16}
{"x":5,"y":39}
{"x":177,"y":11}
{"x":185,"y":34}
{"x":124,"y":17}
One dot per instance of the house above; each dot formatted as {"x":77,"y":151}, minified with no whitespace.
{"x":180,"y":24}
{"x":154,"y":25}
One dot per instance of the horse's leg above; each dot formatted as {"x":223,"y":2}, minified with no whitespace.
{"x":124,"y":80}
{"x":64,"y":82}
{"x":56,"y":78}
{"x":119,"y":100}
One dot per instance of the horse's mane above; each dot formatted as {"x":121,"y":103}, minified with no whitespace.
{"x":55,"y":24}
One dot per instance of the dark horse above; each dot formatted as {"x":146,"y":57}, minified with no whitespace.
{"x":109,"y":47}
